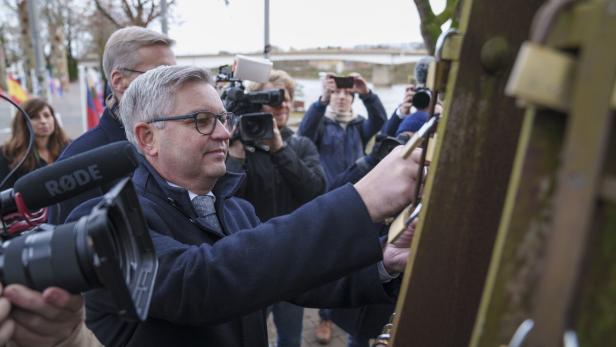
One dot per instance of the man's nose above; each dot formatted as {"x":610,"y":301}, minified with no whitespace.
{"x":220,"y":131}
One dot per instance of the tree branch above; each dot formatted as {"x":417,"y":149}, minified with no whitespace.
{"x":106,"y":14}
{"x":448,"y":12}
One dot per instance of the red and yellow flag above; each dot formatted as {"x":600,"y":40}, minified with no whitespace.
{"x":16,"y":91}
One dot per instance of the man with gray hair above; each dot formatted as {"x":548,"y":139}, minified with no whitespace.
{"x":219,"y":267}
{"x":128,"y":53}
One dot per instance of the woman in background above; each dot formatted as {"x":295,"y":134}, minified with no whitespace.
{"x":49,"y":141}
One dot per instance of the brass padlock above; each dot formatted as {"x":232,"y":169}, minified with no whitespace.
{"x":542,"y":76}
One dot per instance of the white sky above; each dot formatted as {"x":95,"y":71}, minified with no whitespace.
{"x":209,"y":26}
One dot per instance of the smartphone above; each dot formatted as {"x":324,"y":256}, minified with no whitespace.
{"x":344,"y":82}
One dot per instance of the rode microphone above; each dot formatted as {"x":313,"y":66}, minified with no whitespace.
{"x":68,"y":178}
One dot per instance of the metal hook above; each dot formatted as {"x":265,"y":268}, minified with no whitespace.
{"x":520,"y":334}
{"x":440,"y":42}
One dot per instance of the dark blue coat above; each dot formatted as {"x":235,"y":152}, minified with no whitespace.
{"x":108,"y":130}
{"x":338,"y":147}
{"x":212,"y":288}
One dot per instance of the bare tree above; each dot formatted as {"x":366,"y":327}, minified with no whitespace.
{"x":431,"y":22}
{"x":3,"y":59}
{"x":25,"y":41}
{"x":56,"y":13}
{"x":130,"y":12}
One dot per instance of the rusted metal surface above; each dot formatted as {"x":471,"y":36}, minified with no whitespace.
{"x":520,"y":247}
{"x":594,"y":311}
{"x":584,"y":155}
{"x":467,"y":185}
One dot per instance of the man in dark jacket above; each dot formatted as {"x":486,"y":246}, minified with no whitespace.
{"x":128,"y":53}
{"x":341,"y":137}
{"x":339,"y":134}
{"x":218,"y":267}
{"x":282,"y":174}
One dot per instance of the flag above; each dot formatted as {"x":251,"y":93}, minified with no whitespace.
{"x":94,"y":103}
{"x":91,"y":109}
{"x":16,"y":91}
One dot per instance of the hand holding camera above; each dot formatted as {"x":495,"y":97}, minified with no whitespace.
{"x":275,"y":143}
{"x":329,"y":86}
{"x":360,"y":86}
{"x":43,"y":319}
{"x":407,"y":102}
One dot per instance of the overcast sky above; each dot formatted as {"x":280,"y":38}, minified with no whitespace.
{"x":209,"y":26}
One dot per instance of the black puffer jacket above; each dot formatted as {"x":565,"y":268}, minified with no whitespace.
{"x":278,"y":183}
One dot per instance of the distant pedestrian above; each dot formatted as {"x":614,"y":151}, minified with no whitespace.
{"x":49,"y":141}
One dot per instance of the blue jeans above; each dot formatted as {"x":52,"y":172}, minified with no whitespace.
{"x":325,"y":314}
{"x":288,"y":319}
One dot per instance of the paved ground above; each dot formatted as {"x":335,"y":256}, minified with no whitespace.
{"x":311,"y":319}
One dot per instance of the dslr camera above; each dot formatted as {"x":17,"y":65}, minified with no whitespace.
{"x":253,"y":125}
{"x":423,"y":95}
{"x":110,"y":248}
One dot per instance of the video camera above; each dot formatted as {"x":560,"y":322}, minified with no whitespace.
{"x":109,"y":248}
{"x":254,"y":125}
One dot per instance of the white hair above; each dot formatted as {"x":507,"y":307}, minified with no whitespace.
{"x":152,"y":94}
{"x":122,"y":46}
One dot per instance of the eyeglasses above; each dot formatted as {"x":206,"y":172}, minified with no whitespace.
{"x":205,"y":122}
{"x":131,"y":70}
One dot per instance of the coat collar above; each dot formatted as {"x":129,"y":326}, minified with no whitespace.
{"x":149,"y":182}
{"x":112,"y":126}
{"x":225,"y":187}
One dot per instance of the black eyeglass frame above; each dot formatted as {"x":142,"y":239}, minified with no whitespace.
{"x":131,"y":70}
{"x":222,"y":117}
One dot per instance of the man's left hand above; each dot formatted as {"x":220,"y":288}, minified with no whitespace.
{"x":43,"y":319}
{"x":275,"y":143}
{"x":360,"y":85}
{"x":396,"y":254}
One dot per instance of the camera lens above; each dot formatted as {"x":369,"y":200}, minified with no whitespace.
{"x":421,"y":99}
{"x":254,"y":128}
{"x":47,"y":258}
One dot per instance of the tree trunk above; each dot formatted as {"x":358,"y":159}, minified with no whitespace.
{"x":25,"y":42}
{"x":3,"y":64}
{"x":58,"y":56}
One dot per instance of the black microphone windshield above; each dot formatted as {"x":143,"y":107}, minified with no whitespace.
{"x":68,"y":178}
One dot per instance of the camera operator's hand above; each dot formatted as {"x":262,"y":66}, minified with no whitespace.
{"x":328,"y":88}
{"x":44,"y":319}
{"x":7,"y":325}
{"x":275,"y":143}
{"x":360,"y":86}
{"x":407,"y":102}
{"x":390,"y":186}
{"x":396,"y":254}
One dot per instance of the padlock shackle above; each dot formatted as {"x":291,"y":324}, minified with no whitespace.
{"x":545,"y":18}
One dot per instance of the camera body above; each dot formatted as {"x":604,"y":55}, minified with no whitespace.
{"x":109,"y":248}
{"x":253,"y":125}
{"x":344,"y":82}
{"x":385,"y":144}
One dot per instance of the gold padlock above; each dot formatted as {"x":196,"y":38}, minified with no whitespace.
{"x":542,"y":76}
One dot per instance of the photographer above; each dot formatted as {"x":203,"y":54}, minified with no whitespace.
{"x":51,"y":318}
{"x":339,"y":134}
{"x":282,"y":174}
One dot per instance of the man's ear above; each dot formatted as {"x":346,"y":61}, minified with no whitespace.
{"x":146,"y":138}
{"x":119,"y":82}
